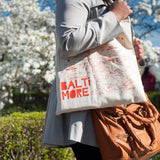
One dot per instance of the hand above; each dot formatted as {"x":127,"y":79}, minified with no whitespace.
{"x":121,"y":9}
{"x":138,"y":49}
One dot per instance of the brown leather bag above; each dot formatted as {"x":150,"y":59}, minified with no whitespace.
{"x":128,"y":133}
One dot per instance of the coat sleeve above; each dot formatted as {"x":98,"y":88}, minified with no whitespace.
{"x":75,"y":34}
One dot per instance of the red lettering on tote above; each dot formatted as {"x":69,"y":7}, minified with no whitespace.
{"x":72,"y":94}
{"x":79,"y":92}
{"x":65,"y":94}
{"x":77,"y":84}
{"x":63,"y":86}
{"x":85,"y":91}
{"x":71,"y":85}
{"x":75,"y":89}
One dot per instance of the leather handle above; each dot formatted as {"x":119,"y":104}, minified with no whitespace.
{"x":154,"y":115}
{"x":137,"y":139}
{"x":147,"y":120}
{"x":143,"y":119}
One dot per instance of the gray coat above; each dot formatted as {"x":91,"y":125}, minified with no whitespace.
{"x":80,"y":25}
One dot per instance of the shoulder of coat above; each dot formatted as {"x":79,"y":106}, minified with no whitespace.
{"x":87,"y":3}
{"x":95,"y":3}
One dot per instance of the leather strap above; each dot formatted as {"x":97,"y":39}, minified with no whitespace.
{"x":147,"y":120}
{"x":154,"y":115}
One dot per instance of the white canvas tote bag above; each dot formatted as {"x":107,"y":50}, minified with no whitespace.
{"x":101,"y":77}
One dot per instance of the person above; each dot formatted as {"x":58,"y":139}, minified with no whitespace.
{"x":148,"y":80}
{"x":82,"y":25}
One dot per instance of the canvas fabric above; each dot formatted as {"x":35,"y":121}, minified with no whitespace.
{"x":101,"y":77}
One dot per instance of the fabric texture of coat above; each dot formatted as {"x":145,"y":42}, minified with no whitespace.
{"x":80,"y":25}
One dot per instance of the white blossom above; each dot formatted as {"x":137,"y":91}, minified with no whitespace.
{"x":49,"y":76}
{"x":144,"y":6}
{"x":27,"y":46}
{"x":152,"y":57}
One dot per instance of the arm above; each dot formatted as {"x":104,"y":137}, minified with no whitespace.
{"x":138,"y":49}
{"x":75,"y":35}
